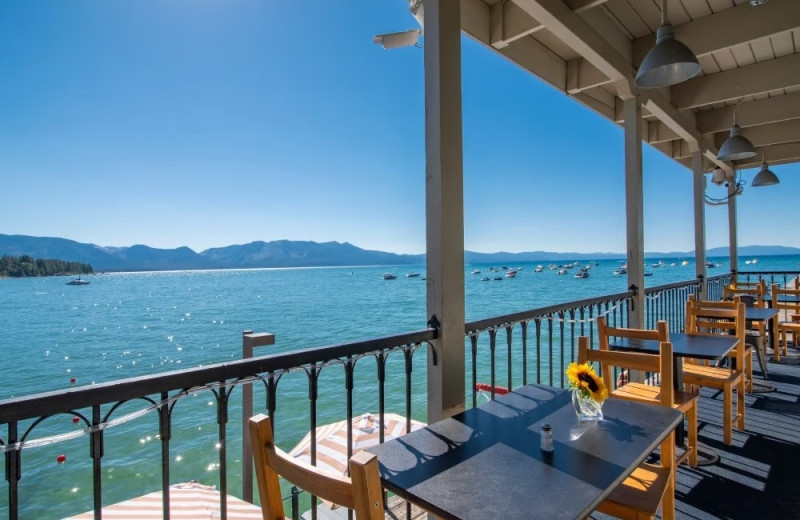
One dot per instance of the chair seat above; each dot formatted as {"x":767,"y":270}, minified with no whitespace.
{"x":652,"y":394}
{"x":789,"y":324}
{"x":641,"y":491}
{"x":709,"y":376}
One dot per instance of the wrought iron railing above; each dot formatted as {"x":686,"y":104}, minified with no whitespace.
{"x":668,"y":302}
{"x":782,"y":278}
{"x":549,"y":332}
{"x":95,"y":407}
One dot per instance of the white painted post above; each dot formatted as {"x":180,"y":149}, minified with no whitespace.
{"x":699,"y":185}
{"x":444,"y":208}
{"x":634,"y":208}
{"x":734,"y":247}
{"x":249,"y":341}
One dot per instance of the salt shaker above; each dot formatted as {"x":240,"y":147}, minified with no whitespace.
{"x":546,"y":444}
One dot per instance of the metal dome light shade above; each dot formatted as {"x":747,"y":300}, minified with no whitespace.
{"x":669,"y":62}
{"x":765,"y":177}
{"x":737,"y":146}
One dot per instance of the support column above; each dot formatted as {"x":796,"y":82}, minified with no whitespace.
{"x":444,"y":208}
{"x":734,"y":247}
{"x":634,"y":207}
{"x":699,"y":185}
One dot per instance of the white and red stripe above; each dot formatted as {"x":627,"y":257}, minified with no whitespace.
{"x":190,"y":501}
{"x":332,"y":439}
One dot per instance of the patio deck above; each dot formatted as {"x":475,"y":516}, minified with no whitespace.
{"x":756,"y":477}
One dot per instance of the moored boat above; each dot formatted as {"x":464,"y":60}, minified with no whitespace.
{"x":389,"y":276}
{"x":78,"y":281}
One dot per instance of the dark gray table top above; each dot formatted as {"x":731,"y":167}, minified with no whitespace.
{"x":486,"y":463}
{"x":683,"y":345}
{"x":759,"y":314}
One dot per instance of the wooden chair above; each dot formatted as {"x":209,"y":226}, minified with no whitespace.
{"x":685,"y":402}
{"x":649,"y":486}
{"x":706,"y":318}
{"x":748,"y":349}
{"x":783,"y":328}
{"x":361,"y":492}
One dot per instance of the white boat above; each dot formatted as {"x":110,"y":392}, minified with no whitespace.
{"x":78,"y":281}
{"x":511,"y":274}
{"x":562,"y":271}
{"x":389,"y":276}
{"x":748,"y":262}
{"x":621,"y":270}
{"x":412,"y":275}
{"x":582,"y":273}
{"x":685,"y":262}
{"x":755,"y":260}
{"x":538,"y":269}
{"x":476,"y":271}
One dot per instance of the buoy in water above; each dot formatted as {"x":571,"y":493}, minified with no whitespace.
{"x":72,"y":381}
{"x":75,"y":420}
{"x":61,"y":459}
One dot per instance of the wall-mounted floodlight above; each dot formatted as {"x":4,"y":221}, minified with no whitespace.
{"x":398,"y":39}
{"x":405,"y":38}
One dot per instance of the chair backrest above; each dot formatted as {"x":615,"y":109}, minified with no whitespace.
{"x":656,"y":363}
{"x":777,"y":292}
{"x":712,"y":318}
{"x":361,"y":492}
{"x":754,"y":290}
{"x":660,"y":333}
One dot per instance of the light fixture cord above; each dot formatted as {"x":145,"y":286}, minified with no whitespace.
{"x":735,"y":109}
{"x":664,"y":12}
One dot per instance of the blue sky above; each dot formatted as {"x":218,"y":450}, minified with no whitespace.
{"x":208,"y":122}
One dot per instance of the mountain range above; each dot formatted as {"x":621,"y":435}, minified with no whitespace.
{"x":289,"y":253}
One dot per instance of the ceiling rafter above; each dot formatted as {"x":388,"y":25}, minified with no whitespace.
{"x":733,"y":84}
{"x":510,"y":22}
{"x":752,"y":113}
{"x":713,"y":33}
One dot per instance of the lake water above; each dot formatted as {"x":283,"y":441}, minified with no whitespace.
{"x":130,"y":324}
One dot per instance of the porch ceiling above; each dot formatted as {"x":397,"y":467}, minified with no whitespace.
{"x":590,"y":49}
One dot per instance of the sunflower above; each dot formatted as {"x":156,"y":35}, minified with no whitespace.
{"x":585,"y":380}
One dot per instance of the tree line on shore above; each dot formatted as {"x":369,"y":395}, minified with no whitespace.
{"x":25,"y":265}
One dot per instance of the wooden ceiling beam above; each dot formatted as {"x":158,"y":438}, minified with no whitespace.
{"x":510,"y":22}
{"x":733,"y":84}
{"x":574,"y":31}
{"x":715,"y":32}
{"x":775,"y":154}
{"x":767,"y":135}
{"x":752,"y":113}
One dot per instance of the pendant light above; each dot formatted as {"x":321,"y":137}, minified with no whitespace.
{"x":669,"y":61}
{"x":737,"y":146}
{"x":765,"y":177}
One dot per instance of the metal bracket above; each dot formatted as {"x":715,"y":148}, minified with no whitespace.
{"x":635,"y":291}
{"x":434,"y":323}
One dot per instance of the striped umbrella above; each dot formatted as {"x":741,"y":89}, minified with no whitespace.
{"x":190,"y":501}
{"x":332,"y":439}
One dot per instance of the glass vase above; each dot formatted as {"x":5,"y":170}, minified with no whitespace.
{"x":587,"y":408}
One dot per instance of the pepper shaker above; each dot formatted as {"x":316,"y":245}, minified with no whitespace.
{"x":546,"y":444}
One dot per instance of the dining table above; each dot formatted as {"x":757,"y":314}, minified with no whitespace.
{"x":764,"y":315}
{"x":696,"y":346}
{"x":486,"y":462}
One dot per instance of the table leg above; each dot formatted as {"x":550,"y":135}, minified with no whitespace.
{"x":677,"y":384}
